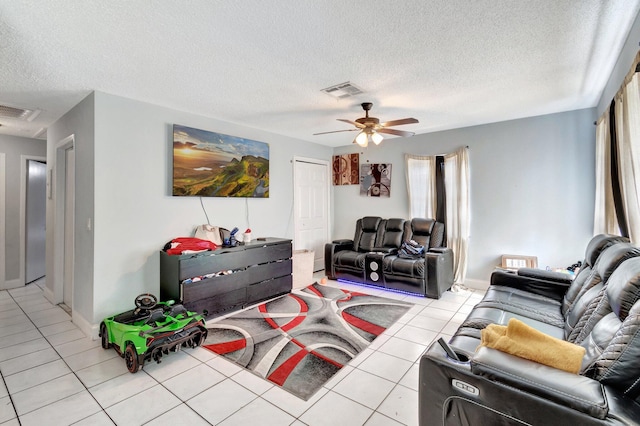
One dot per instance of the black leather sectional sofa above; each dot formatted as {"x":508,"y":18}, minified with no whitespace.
{"x":372,"y":256}
{"x":599,"y":310}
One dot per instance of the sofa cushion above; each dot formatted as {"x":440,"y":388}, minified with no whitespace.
{"x":364,"y":239}
{"x":390,"y":234}
{"x":623,"y":290}
{"x":394,"y":265}
{"x":419,"y":230}
{"x":586,"y":277}
{"x":613,"y":343}
{"x":590,"y":294}
{"x":521,"y":302}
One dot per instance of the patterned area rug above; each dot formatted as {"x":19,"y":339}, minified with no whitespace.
{"x":300,"y":340}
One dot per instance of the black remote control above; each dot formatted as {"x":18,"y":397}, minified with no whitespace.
{"x":448,"y":349}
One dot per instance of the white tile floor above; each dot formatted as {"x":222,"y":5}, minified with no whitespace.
{"x":52,"y":374}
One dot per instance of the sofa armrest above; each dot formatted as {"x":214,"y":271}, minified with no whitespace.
{"x":438,"y":271}
{"x":329,"y":250}
{"x":439,"y":250}
{"x":385,"y":250}
{"x":570,"y":390}
{"x":552,"y":289}
{"x":541,"y":274}
{"x":450,"y":391}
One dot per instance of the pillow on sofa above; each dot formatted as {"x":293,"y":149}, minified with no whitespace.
{"x":521,"y":340}
{"x":411,"y":250}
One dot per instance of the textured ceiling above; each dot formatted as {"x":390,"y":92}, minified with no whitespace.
{"x":263,"y":63}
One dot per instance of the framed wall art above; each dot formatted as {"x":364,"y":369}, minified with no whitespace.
{"x":210,"y":164}
{"x":345,"y":169}
{"x":375,"y":180}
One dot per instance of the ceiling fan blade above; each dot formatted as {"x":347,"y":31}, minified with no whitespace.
{"x":399,"y":122}
{"x":395,"y":132}
{"x":336,"y":131}
{"x":358,"y":125}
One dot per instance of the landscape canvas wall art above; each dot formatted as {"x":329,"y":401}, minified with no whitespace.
{"x":210,"y":164}
{"x":375,"y":180}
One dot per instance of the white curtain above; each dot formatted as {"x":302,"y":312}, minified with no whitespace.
{"x":421,"y":184}
{"x":628,"y":141}
{"x":456,"y":182}
{"x":604,"y":221}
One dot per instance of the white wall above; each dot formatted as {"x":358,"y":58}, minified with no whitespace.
{"x":135,"y":214}
{"x":622,"y":67}
{"x":79,"y":121}
{"x":532,"y":187}
{"x":531,"y":191}
{"x":13,"y":147}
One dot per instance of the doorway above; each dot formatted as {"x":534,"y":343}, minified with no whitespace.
{"x":64,"y":223}
{"x":2,"y":220}
{"x":311,"y":207}
{"x":35,"y":220}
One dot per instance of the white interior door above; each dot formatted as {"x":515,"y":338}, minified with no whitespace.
{"x":35,"y":220}
{"x":69,"y":204}
{"x":311,"y":207}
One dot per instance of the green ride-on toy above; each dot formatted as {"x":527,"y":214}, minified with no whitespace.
{"x":151,"y":330}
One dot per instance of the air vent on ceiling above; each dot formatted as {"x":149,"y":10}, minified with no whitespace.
{"x":342,"y":90}
{"x":23,"y":114}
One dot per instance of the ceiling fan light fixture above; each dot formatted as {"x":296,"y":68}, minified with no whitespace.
{"x":376,"y":138}
{"x":362,"y":139}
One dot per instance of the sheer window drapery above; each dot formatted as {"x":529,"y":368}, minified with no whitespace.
{"x":605,"y":221}
{"x":456,"y":182}
{"x":628,"y":141}
{"x":617,"y":203}
{"x":423,"y":203}
{"x":421,"y":185}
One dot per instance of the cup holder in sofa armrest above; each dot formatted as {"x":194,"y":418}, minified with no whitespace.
{"x":343,"y":242}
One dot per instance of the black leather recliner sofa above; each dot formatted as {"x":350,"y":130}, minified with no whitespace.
{"x":599,"y":310}
{"x":372,"y":256}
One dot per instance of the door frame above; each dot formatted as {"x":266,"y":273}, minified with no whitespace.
{"x":59,"y":191}
{"x":24,"y":162}
{"x":3,"y":224}
{"x":296,"y":160}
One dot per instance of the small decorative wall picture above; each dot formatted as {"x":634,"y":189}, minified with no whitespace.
{"x":209,"y":164}
{"x":375,"y":180}
{"x":345,"y":169}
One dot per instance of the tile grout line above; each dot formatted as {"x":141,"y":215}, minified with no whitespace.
{"x":63,"y":360}
{"x":396,"y":384}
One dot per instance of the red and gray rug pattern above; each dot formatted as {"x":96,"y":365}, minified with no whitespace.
{"x":300,"y":340}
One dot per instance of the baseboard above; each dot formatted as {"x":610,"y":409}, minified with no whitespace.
{"x":9,"y":284}
{"x":476,"y":284}
{"x":85,"y":326}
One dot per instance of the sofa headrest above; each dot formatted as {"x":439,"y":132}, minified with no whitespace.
{"x":612,"y":257}
{"x":623,"y":289}
{"x":598,"y":244}
{"x":437,"y":236}
{"x":394,"y":224}
{"x":371,"y":223}
{"x":421,"y":226}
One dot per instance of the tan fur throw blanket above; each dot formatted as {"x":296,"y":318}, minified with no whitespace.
{"x":524,"y":341}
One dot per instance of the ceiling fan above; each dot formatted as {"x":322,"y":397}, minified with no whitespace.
{"x":370,"y":127}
